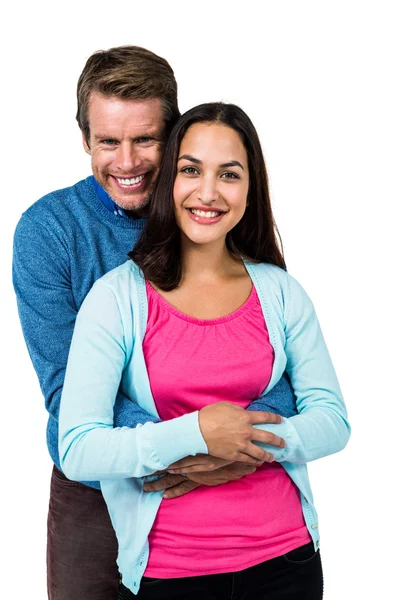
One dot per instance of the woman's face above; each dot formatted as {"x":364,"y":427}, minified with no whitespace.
{"x":212,"y":181}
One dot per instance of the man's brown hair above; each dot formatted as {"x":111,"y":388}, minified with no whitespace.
{"x":129,"y":73}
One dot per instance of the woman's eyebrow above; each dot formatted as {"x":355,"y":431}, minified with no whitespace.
{"x":191,"y":158}
{"x":232,"y":163}
{"x":197,"y":161}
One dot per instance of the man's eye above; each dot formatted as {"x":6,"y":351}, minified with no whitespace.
{"x":109,"y":142}
{"x":144,"y":140}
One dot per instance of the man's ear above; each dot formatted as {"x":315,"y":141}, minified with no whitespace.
{"x":85,"y":144}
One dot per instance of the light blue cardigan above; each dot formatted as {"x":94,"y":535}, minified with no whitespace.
{"x":105,"y":358}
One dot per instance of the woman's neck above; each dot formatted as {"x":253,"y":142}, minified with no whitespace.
{"x":214,"y":283}
{"x":208,"y":262}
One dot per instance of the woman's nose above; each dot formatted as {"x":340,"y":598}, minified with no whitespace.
{"x":208,"y":191}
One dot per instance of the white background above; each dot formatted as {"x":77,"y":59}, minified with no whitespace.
{"x":320,"y":81}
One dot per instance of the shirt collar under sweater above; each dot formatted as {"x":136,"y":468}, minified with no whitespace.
{"x":108,"y":201}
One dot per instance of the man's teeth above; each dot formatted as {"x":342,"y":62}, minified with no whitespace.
{"x":209,"y":214}
{"x":130,"y":181}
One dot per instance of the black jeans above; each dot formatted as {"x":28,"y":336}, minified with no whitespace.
{"x":81,"y":543}
{"x":296,"y":575}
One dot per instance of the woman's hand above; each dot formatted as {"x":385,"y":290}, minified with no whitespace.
{"x":228,"y":432}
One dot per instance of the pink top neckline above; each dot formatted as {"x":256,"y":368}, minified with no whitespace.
{"x":249,"y":303}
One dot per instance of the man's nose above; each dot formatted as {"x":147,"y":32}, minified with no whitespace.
{"x":128,"y":158}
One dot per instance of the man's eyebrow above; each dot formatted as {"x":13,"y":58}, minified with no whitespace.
{"x":103,"y":137}
{"x":150,"y":134}
{"x":197,"y":161}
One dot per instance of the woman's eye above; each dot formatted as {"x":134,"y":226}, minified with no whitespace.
{"x":189,"y":170}
{"x":230,"y":175}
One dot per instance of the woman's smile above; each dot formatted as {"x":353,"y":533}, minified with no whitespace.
{"x":206,"y":216}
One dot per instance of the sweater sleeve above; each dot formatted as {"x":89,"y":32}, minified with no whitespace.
{"x":47,"y":310}
{"x":279,"y":400}
{"x":321,"y":427}
{"x":90,"y":446}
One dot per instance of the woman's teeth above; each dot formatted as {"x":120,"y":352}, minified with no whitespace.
{"x":131,"y":181}
{"x":210,"y":214}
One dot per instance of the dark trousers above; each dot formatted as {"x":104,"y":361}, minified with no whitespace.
{"x":81,"y":543}
{"x":294,"y":576}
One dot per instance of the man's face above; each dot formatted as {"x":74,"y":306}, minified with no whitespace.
{"x":126,"y":145}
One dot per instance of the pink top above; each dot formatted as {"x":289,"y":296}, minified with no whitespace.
{"x":192,"y":363}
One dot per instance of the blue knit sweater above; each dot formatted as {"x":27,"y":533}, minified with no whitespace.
{"x":63,"y":243}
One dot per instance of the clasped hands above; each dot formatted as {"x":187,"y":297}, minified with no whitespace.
{"x":229,"y":434}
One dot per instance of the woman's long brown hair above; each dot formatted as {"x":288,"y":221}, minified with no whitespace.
{"x":255,"y":237}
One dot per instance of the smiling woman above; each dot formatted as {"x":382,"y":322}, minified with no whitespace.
{"x":213,"y":159}
{"x":208,"y":189}
{"x":201,"y":322}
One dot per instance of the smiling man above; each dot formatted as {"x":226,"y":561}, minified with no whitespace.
{"x":127,"y":105}
{"x":125,"y":142}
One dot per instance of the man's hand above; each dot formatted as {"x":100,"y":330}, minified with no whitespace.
{"x":200,"y":462}
{"x":178,"y":485}
{"x":174,"y":485}
{"x":228,"y":432}
{"x":206,"y":462}
{"x":223,"y":475}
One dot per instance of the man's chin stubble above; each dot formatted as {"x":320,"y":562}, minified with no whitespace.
{"x":138,"y":212}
